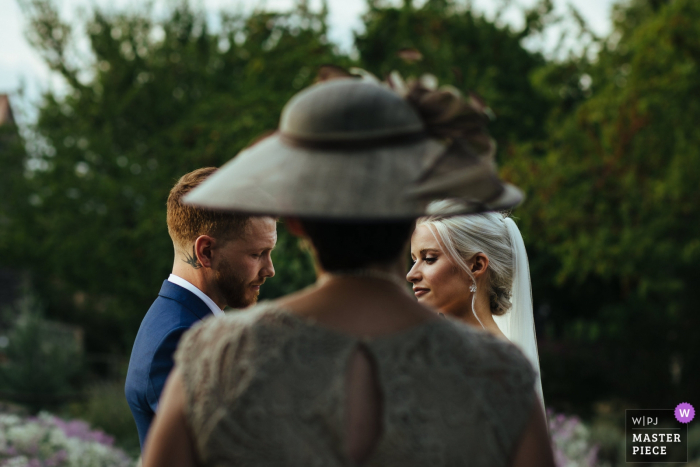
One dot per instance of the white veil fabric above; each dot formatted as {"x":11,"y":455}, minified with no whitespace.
{"x":518,"y":324}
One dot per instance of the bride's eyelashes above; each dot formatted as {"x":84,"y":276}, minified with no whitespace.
{"x":425,"y":259}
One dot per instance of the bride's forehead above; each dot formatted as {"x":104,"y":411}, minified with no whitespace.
{"x":423,"y":238}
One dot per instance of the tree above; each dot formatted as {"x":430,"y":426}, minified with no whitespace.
{"x":155,"y":100}
{"x":605,"y":148}
{"x":613,"y":200}
{"x":465,"y":50}
{"x":12,"y":160}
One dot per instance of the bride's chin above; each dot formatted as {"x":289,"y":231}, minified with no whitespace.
{"x":426,"y":302}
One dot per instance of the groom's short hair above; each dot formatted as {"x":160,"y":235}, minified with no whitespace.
{"x":186,"y":223}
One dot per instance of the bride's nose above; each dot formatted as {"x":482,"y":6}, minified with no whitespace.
{"x":414,"y":274}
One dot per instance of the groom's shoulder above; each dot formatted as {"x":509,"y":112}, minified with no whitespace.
{"x":170,"y":310}
{"x":159,"y":333}
{"x":165,"y":318}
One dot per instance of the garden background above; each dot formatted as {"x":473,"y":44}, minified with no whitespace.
{"x":601,"y":136}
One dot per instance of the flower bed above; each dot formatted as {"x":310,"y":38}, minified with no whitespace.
{"x":571,"y":441}
{"x":48,"y":441}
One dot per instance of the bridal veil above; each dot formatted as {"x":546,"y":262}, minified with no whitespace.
{"x":518,"y":324}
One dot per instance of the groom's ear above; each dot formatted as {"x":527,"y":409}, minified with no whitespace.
{"x":203,"y":247}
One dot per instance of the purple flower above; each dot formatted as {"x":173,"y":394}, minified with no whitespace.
{"x":81,"y":430}
{"x":43,"y":426}
{"x":560,"y":459}
{"x":571,"y":441}
{"x":56,"y":459}
{"x":33,"y":449}
{"x":592,"y":457}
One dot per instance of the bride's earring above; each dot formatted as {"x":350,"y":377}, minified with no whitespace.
{"x":472,"y":289}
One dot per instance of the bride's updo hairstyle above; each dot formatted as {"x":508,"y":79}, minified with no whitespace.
{"x":464,"y":236}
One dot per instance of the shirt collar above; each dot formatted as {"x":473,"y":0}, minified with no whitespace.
{"x":177,"y":280}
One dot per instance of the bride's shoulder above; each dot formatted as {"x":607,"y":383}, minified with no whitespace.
{"x":479,"y":349}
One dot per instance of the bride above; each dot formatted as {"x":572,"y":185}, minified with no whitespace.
{"x":475,"y":269}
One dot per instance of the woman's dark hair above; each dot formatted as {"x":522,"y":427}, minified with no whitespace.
{"x":342,"y":245}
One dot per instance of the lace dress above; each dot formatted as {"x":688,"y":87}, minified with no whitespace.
{"x":265,"y":387}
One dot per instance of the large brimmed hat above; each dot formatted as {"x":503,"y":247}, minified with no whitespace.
{"x":352,"y":149}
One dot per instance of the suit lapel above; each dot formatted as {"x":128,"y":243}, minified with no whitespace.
{"x":185,"y":298}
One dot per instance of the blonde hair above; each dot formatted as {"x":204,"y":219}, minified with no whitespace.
{"x":463,"y":236}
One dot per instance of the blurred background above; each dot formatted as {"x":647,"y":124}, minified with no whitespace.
{"x":106,"y":105}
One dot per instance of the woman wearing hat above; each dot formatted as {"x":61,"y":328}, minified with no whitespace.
{"x":352,"y":371}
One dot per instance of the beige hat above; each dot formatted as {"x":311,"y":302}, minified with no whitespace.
{"x":356,"y":150}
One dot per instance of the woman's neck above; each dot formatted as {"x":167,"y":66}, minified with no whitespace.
{"x":486,"y":322}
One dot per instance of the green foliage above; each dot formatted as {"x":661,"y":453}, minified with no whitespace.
{"x":465,"y":50}
{"x":613,"y":198}
{"x":105,"y":408}
{"x":12,"y":189}
{"x":157,"y":99}
{"x":605,"y":148}
{"x":42,"y":361}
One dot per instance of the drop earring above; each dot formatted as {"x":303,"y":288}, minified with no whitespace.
{"x":472,"y":289}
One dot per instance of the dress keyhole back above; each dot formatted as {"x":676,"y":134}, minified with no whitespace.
{"x":363,"y":405}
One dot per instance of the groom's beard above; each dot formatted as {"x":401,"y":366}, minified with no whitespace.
{"x":235,"y":290}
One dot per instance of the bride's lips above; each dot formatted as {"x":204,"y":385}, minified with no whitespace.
{"x":420,"y":291}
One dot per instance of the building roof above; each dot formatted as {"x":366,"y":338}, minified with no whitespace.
{"x":6,"y":116}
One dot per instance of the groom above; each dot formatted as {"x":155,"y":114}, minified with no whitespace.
{"x":220,"y":259}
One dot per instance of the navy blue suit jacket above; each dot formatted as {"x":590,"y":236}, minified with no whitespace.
{"x":175,"y":310}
